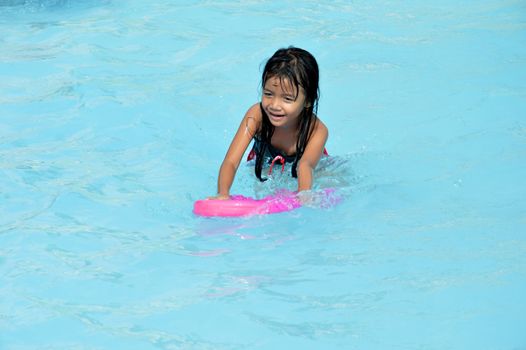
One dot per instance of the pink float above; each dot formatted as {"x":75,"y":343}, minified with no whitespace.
{"x":239,"y":205}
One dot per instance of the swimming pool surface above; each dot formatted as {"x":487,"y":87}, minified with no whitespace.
{"x":115,"y":117}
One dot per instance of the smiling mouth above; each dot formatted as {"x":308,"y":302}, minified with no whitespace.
{"x":275,"y":116}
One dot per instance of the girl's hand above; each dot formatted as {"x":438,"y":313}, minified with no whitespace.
{"x":220,"y":196}
{"x":305,"y":197}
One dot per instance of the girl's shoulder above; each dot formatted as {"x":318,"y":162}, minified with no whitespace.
{"x":253,"y":119}
{"x":255,"y":112}
{"x":320,"y":127}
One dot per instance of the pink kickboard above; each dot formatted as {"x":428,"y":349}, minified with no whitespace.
{"x":281,"y":201}
{"x":239,"y":205}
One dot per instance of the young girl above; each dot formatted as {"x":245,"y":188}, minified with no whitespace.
{"x":284,"y":125}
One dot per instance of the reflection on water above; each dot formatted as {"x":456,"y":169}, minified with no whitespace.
{"x":45,"y":13}
{"x":42,"y":5}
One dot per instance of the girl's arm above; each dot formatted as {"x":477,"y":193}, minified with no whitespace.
{"x":246,"y":131}
{"x":311,"y":156}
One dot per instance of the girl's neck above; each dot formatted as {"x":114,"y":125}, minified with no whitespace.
{"x":286,"y":132}
{"x":285,"y":140}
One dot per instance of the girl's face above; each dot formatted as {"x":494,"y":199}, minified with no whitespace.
{"x":282,"y":102}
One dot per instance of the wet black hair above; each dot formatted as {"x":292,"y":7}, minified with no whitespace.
{"x":300,"y":68}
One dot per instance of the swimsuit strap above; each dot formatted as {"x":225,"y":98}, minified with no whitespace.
{"x":281,"y":159}
{"x":271,"y":152}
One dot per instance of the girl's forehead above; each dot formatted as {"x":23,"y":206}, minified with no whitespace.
{"x":282,"y":82}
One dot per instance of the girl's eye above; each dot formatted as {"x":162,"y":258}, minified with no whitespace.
{"x":289,"y":99}
{"x":268,"y":94}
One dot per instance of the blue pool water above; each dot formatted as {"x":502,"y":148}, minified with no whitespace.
{"x":114,"y":119}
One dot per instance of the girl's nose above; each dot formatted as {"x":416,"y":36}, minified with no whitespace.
{"x":274,"y":105}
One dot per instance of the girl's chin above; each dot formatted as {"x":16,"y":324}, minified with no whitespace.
{"x":277,"y":121}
